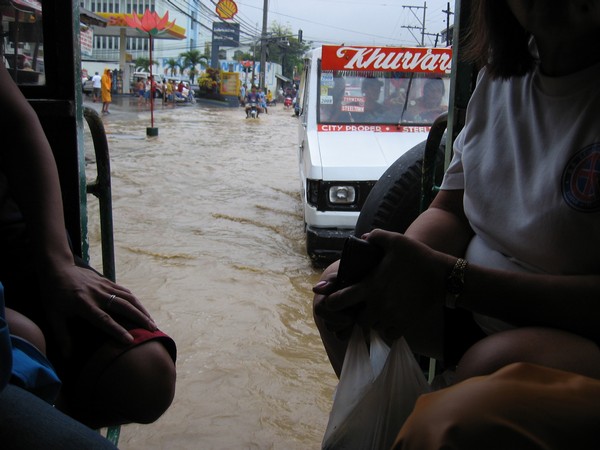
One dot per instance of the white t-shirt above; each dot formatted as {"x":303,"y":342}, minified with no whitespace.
{"x":96,"y":81}
{"x":529,"y":162}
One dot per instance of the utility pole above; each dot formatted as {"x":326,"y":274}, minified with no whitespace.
{"x":421,"y":42}
{"x":263,"y":46}
{"x":448,"y":13}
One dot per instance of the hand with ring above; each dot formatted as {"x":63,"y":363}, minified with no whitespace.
{"x":82,"y":292}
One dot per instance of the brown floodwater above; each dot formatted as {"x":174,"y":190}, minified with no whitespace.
{"x":209,"y":234}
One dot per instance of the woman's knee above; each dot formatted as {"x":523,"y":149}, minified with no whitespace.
{"x":152,"y":376}
{"x":544,"y":346}
{"x":24,"y":328}
{"x":139,"y":385}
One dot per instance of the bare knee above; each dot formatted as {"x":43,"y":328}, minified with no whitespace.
{"x":147,"y":374}
{"x":137,"y":387}
{"x":544,"y":346}
{"x":24,"y":328}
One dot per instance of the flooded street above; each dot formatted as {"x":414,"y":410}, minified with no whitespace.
{"x":208,"y":233}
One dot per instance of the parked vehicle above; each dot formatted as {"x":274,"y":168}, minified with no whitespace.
{"x":88,"y":86}
{"x":360,"y":109}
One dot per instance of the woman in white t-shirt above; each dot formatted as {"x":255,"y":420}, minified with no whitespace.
{"x":521,"y":203}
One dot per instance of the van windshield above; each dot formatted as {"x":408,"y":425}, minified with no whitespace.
{"x":381,"y":98}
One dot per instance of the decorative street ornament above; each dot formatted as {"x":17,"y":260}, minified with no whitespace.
{"x":226,"y":9}
{"x":150,"y":22}
{"x":154,"y":25}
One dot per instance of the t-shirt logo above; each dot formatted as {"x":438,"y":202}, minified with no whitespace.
{"x":581,"y":180}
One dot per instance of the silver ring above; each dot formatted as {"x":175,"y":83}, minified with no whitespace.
{"x":111,"y":299}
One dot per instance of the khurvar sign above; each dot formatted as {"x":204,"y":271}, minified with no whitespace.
{"x":387,"y":59}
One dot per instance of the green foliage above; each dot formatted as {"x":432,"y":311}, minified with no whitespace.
{"x":209,"y":80}
{"x":243,"y":56}
{"x":285,"y":49}
{"x":173,"y":64}
{"x":192,"y":59}
{"x":143,"y":63}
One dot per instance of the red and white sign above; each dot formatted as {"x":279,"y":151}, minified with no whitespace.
{"x":374,"y":128}
{"x":86,"y":37}
{"x":387,"y":59}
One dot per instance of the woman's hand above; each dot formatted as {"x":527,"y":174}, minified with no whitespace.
{"x":337,"y":321}
{"x":408,"y":281}
{"x":75,"y":291}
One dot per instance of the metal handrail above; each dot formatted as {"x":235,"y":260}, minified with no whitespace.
{"x":101,"y":189}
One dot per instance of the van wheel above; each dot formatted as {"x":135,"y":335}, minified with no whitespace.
{"x":394,"y":202}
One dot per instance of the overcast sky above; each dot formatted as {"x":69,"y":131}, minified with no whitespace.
{"x":384,"y":22}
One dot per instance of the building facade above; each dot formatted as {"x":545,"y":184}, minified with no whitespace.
{"x":107,"y":42}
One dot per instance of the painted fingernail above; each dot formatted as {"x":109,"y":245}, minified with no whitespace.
{"x":321,"y":284}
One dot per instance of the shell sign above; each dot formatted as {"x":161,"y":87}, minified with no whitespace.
{"x":226,"y":9}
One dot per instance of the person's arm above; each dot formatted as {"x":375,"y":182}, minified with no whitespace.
{"x":34,"y":184}
{"x":443,"y":226}
{"x":406,"y":270}
{"x":565,"y":302}
{"x":413,"y":274}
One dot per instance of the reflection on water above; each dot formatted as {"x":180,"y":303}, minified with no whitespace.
{"x":208,"y":232}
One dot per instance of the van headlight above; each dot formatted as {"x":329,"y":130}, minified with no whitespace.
{"x":337,"y":195}
{"x":342,"y":195}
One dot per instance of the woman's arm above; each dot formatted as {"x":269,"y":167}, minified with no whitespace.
{"x":443,"y":226}
{"x":570,"y":303}
{"x":403,"y":272}
{"x":32,"y":174}
{"x":31,"y":171}
{"x":412,"y":277}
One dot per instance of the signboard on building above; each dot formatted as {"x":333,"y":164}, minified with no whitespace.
{"x":230,"y":83}
{"x":226,"y":34}
{"x":87,"y":41}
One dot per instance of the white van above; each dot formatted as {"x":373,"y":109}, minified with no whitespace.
{"x":360,"y":108}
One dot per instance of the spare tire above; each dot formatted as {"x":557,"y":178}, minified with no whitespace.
{"x":395,"y":200}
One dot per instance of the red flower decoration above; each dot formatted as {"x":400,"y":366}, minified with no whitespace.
{"x":150,"y":22}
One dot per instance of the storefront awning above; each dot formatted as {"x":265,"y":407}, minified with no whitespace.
{"x":27,"y":5}
{"x":90,"y":18}
{"x":282,"y":78}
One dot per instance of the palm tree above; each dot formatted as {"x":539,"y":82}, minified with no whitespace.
{"x":173,"y":64}
{"x":191,"y":59}
{"x":144,"y":63}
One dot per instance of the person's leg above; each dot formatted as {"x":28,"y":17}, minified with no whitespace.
{"x":544,"y":346}
{"x":129,"y":384}
{"x":21,"y":326}
{"x":26,"y":423}
{"x":137,"y":387}
{"x":520,"y":407}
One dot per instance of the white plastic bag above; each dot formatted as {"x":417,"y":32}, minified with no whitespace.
{"x":377,"y":391}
